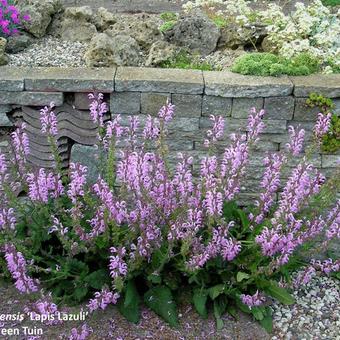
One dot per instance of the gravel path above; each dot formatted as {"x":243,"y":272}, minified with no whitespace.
{"x":316,"y":315}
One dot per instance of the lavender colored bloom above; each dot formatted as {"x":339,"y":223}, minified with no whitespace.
{"x":16,"y":264}
{"x":333,"y":222}
{"x":97,"y":223}
{"x":252,"y":300}
{"x":113,"y":130}
{"x":102,"y":299}
{"x":3,"y":164}
{"x":326,"y":266}
{"x":255,"y":124}
{"x":296,"y":140}
{"x":118,"y":266}
{"x":80,"y":334}
{"x":216,"y":133}
{"x":20,"y":143}
{"x":322,"y":125}
{"x":304,"y":277}
{"x":167,"y":112}
{"x":98,"y":108}
{"x":152,"y":128}
{"x":78,"y":180}
{"x":48,"y":120}
{"x":7,"y":219}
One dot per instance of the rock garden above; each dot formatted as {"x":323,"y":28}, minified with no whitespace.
{"x":169,"y":175}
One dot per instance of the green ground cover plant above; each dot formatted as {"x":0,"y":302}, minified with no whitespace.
{"x":149,"y":231}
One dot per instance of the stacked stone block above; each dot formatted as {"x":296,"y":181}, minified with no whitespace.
{"x":142,"y":91}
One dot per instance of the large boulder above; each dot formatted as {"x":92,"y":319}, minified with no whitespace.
{"x":76,"y":24}
{"x":18,"y":42}
{"x":160,"y":52}
{"x":195,"y":32}
{"x":143,"y":28}
{"x":104,"y":19}
{"x":40,"y":12}
{"x":3,"y":56}
{"x":106,"y":51}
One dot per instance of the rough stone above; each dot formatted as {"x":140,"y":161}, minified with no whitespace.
{"x":81,"y":101}
{"x":331,"y":161}
{"x":187,"y":105}
{"x":3,"y":57}
{"x":12,"y":78}
{"x":152,"y":102}
{"x":19,"y":42}
{"x":279,"y":107}
{"x":160,"y":51}
{"x":326,"y":84}
{"x":220,"y":106}
{"x":82,"y":13}
{"x":302,"y":112}
{"x":120,"y":50}
{"x":196,"y":32}
{"x":77,"y":30}
{"x":143,"y":28}
{"x":228,"y":84}
{"x":4,"y":120}
{"x":31,"y":98}
{"x":125,"y":102}
{"x":159,"y":80}
{"x":104,"y":19}
{"x":41,"y":13}
{"x":70,"y":79}
{"x":88,"y":156}
{"x":242,"y":106}
{"x":267,"y":45}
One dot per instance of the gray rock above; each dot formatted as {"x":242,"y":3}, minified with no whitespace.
{"x":74,"y":30}
{"x":279,"y":107}
{"x":104,"y":19}
{"x":83,"y":13}
{"x":160,"y":51}
{"x":125,"y":102}
{"x":242,"y":106}
{"x":142,"y":28}
{"x":18,"y":43}
{"x":152,"y":102}
{"x":196,"y":32}
{"x":3,"y":56}
{"x":4,"y":120}
{"x":40,"y":13}
{"x":88,"y":156}
{"x":187,"y":105}
{"x":216,"y":106}
{"x":267,"y":45}
{"x":120,"y":50}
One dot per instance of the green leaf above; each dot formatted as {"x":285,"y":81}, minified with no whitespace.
{"x":219,"y":308}
{"x":232,"y":311}
{"x":215,"y":291}
{"x":243,"y":218}
{"x":257,"y":313}
{"x":242,"y":276}
{"x":154,"y":278}
{"x":160,"y":300}
{"x":267,"y":321}
{"x":98,"y":279}
{"x":80,"y":293}
{"x":200,"y":300}
{"x":128,"y":305}
{"x":279,"y":293}
{"x":229,"y":209}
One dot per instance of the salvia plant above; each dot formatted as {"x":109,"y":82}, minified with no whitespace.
{"x":148,"y":230}
{"x":10,"y":19}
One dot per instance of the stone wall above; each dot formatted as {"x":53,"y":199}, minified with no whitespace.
{"x":142,"y":91}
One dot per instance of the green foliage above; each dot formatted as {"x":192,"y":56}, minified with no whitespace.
{"x":168,"y":16}
{"x":184,"y":60}
{"x":128,"y":305}
{"x":160,"y":300}
{"x":220,"y":21}
{"x":268,"y":64}
{"x":331,"y":141}
{"x":331,"y":2}
{"x":167,"y":26}
{"x":169,"y":19}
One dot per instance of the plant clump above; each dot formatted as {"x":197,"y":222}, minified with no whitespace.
{"x":148,"y":230}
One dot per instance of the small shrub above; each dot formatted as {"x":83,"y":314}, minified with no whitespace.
{"x":168,"y":16}
{"x":167,"y":26}
{"x":331,"y":2}
{"x":184,"y":60}
{"x":331,"y":140}
{"x":220,"y":21}
{"x":268,"y":64}
{"x":147,"y":230}
{"x":10,"y":19}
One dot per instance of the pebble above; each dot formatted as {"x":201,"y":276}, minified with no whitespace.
{"x":51,"y":52}
{"x":315,"y":315}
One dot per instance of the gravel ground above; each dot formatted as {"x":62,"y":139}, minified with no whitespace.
{"x":50,"y":51}
{"x":316,"y":315}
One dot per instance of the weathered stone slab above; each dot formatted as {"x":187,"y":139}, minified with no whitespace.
{"x":337,"y":106}
{"x":4,"y":120}
{"x":213,"y":105}
{"x":228,"y":84}
{"x":81,"y":101}
{"x":331,"y":161}
{"x":187,"y":105}
{"x":125,"y":102}
{"x":152,"y":102}
{"x":279,"y":107}
{"x":70,"y":79}
{"x":242,"y":106}
{"x":12,"y":78}
{"x":302,"y":112}
{"x":159,"y":80}
{"x":31,"y":98}
{"x":326,"y":84}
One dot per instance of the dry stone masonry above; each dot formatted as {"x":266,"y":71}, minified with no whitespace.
{"x":142,"y":91}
